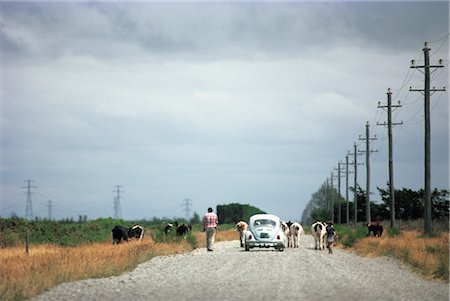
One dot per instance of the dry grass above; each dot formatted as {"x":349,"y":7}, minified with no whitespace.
{"x":427,"y":255}
{"x":46,"y":266}
{"x":22,"y":276}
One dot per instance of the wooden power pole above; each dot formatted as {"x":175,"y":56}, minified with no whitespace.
{"x":427,"y":93}
{"x":355,"y":181}
{"x":368,"y":151}
{"x":389,"y":125}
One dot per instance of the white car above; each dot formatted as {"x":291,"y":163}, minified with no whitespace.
{"x":264,"y":231}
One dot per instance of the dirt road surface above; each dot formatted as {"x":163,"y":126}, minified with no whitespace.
{"x":230,"y":273}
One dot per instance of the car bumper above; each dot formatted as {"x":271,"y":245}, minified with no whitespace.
{"x":259,"y":244}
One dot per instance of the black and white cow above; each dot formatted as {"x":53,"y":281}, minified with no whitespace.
{"x":136,"y":232}
{"x":318,"y":231}
{"x":120,"y":233}
{"x":294,"y":232}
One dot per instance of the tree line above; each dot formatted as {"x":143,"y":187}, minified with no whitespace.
{"x":409,"y":205}
{"x":234,"y":212}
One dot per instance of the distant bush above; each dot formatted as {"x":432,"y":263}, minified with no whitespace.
{"x":234,"y":212}
{"x":160,"y":236}
{"x":349,"y":236}
{"x":13,"y":231}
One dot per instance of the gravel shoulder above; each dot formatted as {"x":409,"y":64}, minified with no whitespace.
{"x":229,"y":273}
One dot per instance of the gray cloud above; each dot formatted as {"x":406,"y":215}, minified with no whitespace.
{"x":217,"y":102}
{"x":213,"y":31}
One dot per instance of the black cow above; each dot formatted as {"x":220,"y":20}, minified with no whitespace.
{"x":182,"y":230}
{"x":375,"y":228}
{"x":120,"y":233}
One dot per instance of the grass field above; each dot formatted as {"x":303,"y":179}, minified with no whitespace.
{"x":428,"y":256}
{"x":48,"y":265}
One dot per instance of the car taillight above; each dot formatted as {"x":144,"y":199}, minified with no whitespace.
{"x":250,"y":236}
{"x":278,"y":237}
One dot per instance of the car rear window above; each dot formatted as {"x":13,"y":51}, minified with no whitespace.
{"x":265,"y":222}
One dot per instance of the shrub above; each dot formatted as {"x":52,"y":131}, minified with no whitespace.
{"x":348,"y":236}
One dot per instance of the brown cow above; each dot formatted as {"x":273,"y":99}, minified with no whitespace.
{"x":241,"y":227}
{"x":376,"y":228}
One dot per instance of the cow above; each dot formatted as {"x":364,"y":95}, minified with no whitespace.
{"x":318,"y":231}
{"x":294,"y":233}
{"x":136,"y":232}
{"x":288,"y":236}
{"x":182,"y":230}
{"x":241,"y":227}
{"x":167,"y":228}
{"x":120,"y":233}
{"x":285,"y":229}
{"x":376,"y":228}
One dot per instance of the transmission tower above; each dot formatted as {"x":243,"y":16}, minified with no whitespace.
{"x":49,"y":210}
{"x":117,"y":209}
{"x":29,"y":208}
{"x":187,"y":210}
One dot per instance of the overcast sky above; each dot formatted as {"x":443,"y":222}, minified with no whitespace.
{"x":224,"y":102}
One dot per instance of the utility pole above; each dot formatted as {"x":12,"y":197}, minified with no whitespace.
{"x":29,"y":208}
{"x":117,"y":209}
{"x":368,"y":151}
{"x":325,"y":193}
{"x":355,"y":178}
{"x":186,"y":205}
{"x":332,"y":197}
{"x":426,"y":92}
{"x":49,"y":210}
{"x":347,"y":206}
{"x":339,"y":219}
{"x":389,"y":125}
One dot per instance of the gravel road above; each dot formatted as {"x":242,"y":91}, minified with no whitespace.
{"x":229,"y":273}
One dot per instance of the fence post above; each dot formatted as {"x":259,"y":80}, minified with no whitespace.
{"x":27,"y":239}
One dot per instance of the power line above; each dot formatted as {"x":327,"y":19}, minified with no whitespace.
{"x":440,"y":39}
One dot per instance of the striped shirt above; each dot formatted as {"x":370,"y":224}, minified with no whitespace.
{"x":210,"y":220}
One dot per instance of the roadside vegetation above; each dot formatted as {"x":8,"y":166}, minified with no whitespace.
{"x":63,"y":252}
{"x":425,"y":255}
{"x":62,"y":233}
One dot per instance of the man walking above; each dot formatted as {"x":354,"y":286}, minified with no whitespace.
{"x":210,"y":221}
